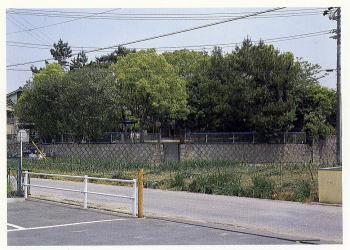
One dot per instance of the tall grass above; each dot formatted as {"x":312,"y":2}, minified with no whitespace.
{"x":276,"y":181}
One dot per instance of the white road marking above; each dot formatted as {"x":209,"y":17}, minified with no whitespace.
{"x":62,"y":225}
{"x":15,"y":226}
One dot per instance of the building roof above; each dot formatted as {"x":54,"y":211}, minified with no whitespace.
{"x":20,"y":89}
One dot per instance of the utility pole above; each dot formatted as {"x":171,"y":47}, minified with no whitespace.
{"x":339,"y":109}
{"x":334,"y":14}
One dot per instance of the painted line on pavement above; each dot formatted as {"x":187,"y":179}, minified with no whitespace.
{"x":15,"y":226}
{"x":62,"y":225}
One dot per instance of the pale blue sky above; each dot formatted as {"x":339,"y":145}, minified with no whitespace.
{"x":102,"y":33}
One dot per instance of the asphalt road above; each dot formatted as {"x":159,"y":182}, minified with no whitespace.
{"x":312,"y":221}
{"x":38,"y":223}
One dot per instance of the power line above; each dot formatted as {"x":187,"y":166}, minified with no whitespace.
{"x":19,"y":69}
{"x":40,"y":33}
{"x":54,"y":24}
{"x":160,"y":36}
{"x":32,"y":34}
{"x":168,"y":17}
{"x":276,"y":39}
{"x":158,"y":14}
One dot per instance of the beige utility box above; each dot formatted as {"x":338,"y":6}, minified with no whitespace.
{"x":330,"y":185}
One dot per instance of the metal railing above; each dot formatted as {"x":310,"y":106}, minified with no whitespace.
{"x":134,"y":198}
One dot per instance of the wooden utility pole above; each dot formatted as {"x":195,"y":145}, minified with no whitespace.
{"x":339,"y":115}
{"x":334,"y":14}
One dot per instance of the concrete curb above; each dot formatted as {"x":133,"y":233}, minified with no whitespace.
{"x":14,"y":200}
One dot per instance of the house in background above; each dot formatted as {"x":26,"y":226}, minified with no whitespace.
{"x":12,"y":123}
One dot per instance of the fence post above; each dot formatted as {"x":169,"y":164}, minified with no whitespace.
{"x":19,"y":170}
{"x":135,"y":198}
{"x":140,"y":193}
{"x":85,"y":190}
{"x":25,"y":184}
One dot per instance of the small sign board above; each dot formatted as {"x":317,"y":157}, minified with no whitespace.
{"x":24,"y":134}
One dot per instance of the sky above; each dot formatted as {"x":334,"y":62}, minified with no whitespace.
{"x":88,"y":28}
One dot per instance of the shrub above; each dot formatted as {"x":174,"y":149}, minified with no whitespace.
{"x":262,"y":187}
{"x":178,"y":182}
{"x":10,"y":191}
{"x":221,"y":183}
{"x":302,"y":190}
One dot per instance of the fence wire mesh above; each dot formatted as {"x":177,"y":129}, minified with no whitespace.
{"x":246,"y":137}
{"x":280,"y":171}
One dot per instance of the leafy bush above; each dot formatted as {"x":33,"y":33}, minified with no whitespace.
{"x":262,"y":187}
{"x":302,"y":190}
{"x":10,"y":191}
{"x":178,"y":182}
{"x":221,"y":183}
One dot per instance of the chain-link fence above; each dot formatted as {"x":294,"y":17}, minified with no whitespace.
{"x":110,"y":137}
{"x":245,"y":137}
{"x":322,"y":152}
{"x":223,"y":168}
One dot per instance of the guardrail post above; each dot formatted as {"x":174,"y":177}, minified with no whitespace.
{"x":140,"y":193}
{"x":85,"y":190}
{"x":25,"y":184}
{"x":135,"y":198}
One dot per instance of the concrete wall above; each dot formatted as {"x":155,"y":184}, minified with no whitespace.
{"x":323,"y":152}
{"x":120,"y":152}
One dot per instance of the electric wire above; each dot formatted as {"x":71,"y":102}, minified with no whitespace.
{"x":54,"y":24}
{"x":157,"y":14}
{"x":199,"y":46}
{"x":160,"y":36}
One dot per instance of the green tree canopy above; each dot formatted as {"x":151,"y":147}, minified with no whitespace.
{"x":79,"y":61}
{"x":148,"y":85}
{"x":88,"y":100}
{"x":40,"y":104}
{"x":61,"y":52}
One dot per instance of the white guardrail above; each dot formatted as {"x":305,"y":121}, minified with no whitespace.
{"x":85,"y":191}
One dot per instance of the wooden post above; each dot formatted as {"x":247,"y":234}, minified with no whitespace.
{"x":140,"y":193}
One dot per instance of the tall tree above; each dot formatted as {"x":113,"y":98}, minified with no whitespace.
{"x":79,"y":61}
{"x":147,"y":84}
{"x":109,"y":59}
{"x":316,"y":111}
{"x":88,"y":103}
{"x":273,"y":79}
{"x":193,"y":66}
{"x":40,"y":104}
{"x":61,"y":52}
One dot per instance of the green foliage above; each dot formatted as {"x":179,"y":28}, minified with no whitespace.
{"x":79,"y":61}
{"x":147,"y":85}
{"x":262,"y":187}
{"x":10,"y":191}
{"x":61,"y":52}
{"x":316,"y":110}
{"x":218,"y":183}
{"x":106,"y":61}
{"x":78,"y":101}
{"x":178,"y":182}
{"x":254,"y":88}
{"x":302,"y":190}
{"x":40,"y":104}
{"x":87,"y":97}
